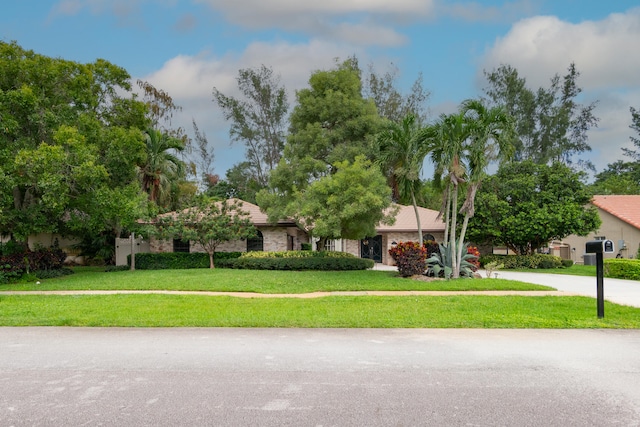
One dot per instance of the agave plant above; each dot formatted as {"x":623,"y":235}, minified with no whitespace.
{"x":440,"y":264}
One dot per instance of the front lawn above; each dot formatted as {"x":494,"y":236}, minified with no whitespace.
{"x":261,"y":281}
{"x":328,"y":312}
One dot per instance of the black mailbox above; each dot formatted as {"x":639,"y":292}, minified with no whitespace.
{"x":599,"y":247}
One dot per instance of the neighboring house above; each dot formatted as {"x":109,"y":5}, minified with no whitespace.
{"x":620,"y":217}
{"x":403,"y":230}
{"x":282,"y":236}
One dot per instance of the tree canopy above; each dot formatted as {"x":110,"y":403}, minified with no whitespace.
{"x":551,"y":125}
{"x":70,"y":141}
{"x":526,"y":205}
{"x":331,"y":126}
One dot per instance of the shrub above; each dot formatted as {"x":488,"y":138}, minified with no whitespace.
{"x":441,"y":264}
{"x":432,"y":247}
{"x":51,"y":274}
{"x":178,"y":260}
{"x":325,"y":263}
{"x":619,"y":268}
{"x":17,"y":264}
{"x":566,"y":263}
{"x":475,"y":253}
{"x":410,"y":257}
{"x":297,"y":254}
{"x":306,"y":246}
{"x":523,"y":261}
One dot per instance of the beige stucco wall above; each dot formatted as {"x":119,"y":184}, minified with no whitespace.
{"x":613,"y":229}
{"x":353,"y":246}
{"x":275,"y":239}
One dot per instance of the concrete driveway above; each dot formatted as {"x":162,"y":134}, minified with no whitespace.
{"x":626,"y":292}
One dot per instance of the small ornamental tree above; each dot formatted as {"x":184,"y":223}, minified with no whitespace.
{"x":208,"y":223}
{"x":410,"y":257}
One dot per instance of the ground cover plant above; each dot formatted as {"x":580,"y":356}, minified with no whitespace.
{"x":328,"y":312}
{"x":257,"y":281}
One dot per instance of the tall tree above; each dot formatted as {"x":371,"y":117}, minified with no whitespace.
{"x":622,"y":177}
{"x":258,"y":118}
{"x":161,"y":166}
{"x":466,"y":143}
{"x":391,"y":103}
{"x":551,"y":125}
{"x":526,"y":205}
{"x":403,"y":148}
{"x":331,"y":124}
{"x":70,"y":140}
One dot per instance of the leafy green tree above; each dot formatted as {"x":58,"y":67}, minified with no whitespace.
{"x":551,"y":125}
{"x":347,"y":204}
{"x":526,"y":205}
{"x":619,"y":177}
{"x":391,"y":103}
{"x":622,"y":177}
{"x":258,"y":119}
{"x":162,"y":165}
{"x":208,"y":223}
{"x":464,"y":145}
{"x":331,"y":124}
{"x":403,"y":148}
{"x":70,"y":140}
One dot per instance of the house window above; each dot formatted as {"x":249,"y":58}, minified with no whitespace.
{"x":330,"y":245}
{"x":180,"y":245}
{"x":256,"y":243}
{"x":599,"y":238}
{"x":428,"y":237}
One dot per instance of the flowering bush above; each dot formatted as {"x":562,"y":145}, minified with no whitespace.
{"x":410,"y":257}
{"x":472,"y":250}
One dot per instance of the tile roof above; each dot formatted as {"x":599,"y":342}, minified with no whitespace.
{"x":257,"y":217}
{"x":624,"y":207}
{"x":406,"y":220}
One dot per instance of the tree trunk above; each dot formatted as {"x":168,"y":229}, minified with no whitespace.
{"x":453,"y":248}
{"x":462,"y":234}
{"x":446,"y":214}
{"x":415,"y":209}
{"x":211,"y":264}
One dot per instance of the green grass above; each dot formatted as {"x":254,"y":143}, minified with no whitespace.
{"x":574,"y":270}
{"x":261,"y":281}
{"x":329,"y":312}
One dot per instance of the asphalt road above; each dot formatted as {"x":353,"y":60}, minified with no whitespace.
{"x":320,"y":377}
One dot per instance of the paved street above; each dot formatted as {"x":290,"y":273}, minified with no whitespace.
{"x":302,"y":377}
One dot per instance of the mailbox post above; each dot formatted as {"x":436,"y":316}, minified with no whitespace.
{"x":600,"y":247}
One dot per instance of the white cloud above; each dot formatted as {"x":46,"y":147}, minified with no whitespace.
{"x":478,"y":12}
{"x":603,"y":51}
{"x":365,"y":22}
{"x":190,"y":81}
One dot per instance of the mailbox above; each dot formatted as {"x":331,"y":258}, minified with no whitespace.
{"x":599,"y":247}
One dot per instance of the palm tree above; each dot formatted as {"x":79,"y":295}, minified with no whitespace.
{"x":468,"y":142}
{"x":161,"y":165}
{"x":403,"y":148}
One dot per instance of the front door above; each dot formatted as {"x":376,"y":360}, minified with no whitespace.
{"x":371,"y":248}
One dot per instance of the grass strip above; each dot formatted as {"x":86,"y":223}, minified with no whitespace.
{"x":261,"y":281}
{"x":329,"y":312}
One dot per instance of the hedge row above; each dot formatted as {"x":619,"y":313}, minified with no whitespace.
{"x":523,"y":261}
{"x":324,"y":263}
{"x":289,"y":260}
{"x":617,"y":268}
{"x":298,"y":254}
{"x":178,"y":260}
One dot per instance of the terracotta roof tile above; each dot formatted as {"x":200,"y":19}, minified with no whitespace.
{"x":406,"y":220}
{"x":624,"y":207}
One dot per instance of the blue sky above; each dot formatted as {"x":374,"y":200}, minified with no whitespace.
{"x":186,"y":47}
